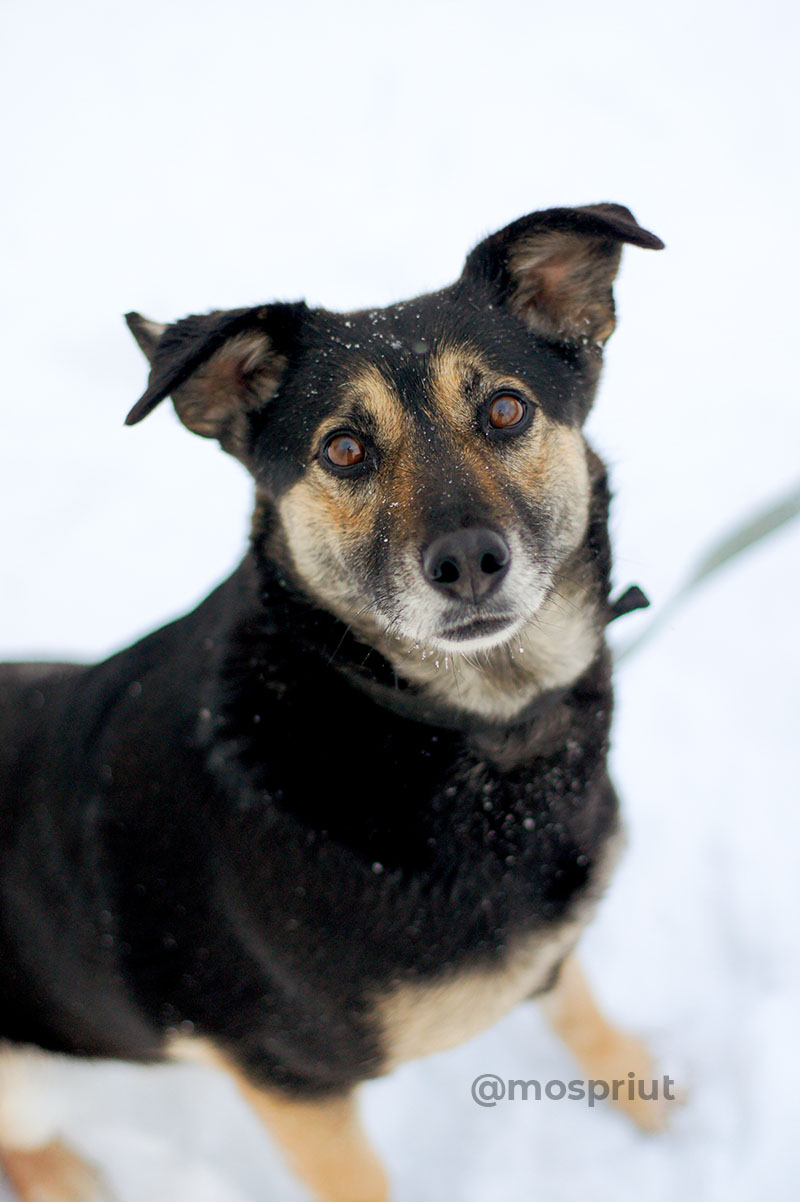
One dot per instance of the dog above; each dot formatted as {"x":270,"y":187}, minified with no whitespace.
{"x":355,"y":807}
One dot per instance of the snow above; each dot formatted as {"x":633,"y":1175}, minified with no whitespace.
{"x":175,"y":158}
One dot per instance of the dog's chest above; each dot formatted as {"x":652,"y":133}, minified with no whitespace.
{"x":422,"y":1018}
{"x":431,"y":1015}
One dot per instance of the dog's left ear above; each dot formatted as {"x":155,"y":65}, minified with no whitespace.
{"x":219,"y":368}
{"x":555,"y":268}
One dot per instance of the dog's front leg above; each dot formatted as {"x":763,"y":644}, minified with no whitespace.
{"x":34,"y":1160}
{"x":606,"y":1054}
{"x":324,"y":1143}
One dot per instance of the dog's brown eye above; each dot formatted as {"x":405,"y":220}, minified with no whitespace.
{"x":344,"y":451}
{"x":505,"y":411}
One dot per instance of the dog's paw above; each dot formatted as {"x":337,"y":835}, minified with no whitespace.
{"x":52,"y":1173}
{"x":635,"y":1086}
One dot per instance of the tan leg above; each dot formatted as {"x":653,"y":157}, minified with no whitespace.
{"x":322,"y":1140}
{"x":605,"y":1053}
{"x":37,"y":1164}
{"x":324,"y":1144}
{"x":51,"y":1173}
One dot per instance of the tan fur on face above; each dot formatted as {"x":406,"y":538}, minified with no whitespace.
{"x":551,"y":650}
{"x":320,"y":528}
{"x":549,"y":461}
{"x":324,"y":519}
{"x":375,"y":392}
{"x":557,"y":644}
{"x":327,"y":520}
{"x":450,"y":370}
{"x":556,"y":474}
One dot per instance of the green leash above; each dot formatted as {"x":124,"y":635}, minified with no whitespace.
{"x":733,"y":544}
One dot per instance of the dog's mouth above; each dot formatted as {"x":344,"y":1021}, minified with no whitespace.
{"x":479,"y":633}
{"x":478,"y":627}
{"x":435,"y":626}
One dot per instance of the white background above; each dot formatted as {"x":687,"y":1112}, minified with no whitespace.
{"x":175,"y":157}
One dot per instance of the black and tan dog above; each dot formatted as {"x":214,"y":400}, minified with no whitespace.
{"x":355,"y":806}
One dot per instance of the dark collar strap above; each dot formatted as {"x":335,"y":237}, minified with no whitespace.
{"x":404,"y":700}
{"x":408,"y":703}
{"x":633,"y":598}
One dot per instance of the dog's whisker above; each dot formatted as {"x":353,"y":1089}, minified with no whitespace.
{"x":340,"y":644}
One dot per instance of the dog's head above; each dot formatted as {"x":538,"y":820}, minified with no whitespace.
{"x":420,"y":469}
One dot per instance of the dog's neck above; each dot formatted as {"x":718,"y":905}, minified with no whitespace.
{"x":491,"y":688}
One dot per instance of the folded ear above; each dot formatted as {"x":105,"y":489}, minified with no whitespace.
{"x":555,"y":268}
{"x":147,"y":333}
{"x":218,"y":368}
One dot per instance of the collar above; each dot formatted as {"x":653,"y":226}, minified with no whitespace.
{"x":406,"y":701}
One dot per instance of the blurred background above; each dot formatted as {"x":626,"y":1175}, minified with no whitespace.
{"x":175,"y":157}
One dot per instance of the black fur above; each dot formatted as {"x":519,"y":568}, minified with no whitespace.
{"x":248,"y":825}
{"x":171,"y":843}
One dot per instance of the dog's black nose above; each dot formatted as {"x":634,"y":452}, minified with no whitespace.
{"x":467,"y":564}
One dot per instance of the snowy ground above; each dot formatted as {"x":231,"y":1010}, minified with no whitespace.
{"x":176,"y":157}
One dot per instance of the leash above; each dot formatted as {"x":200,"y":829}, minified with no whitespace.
{"x":737,"y":541}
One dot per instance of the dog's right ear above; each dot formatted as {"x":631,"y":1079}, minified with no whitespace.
{"x":219,"y":368}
